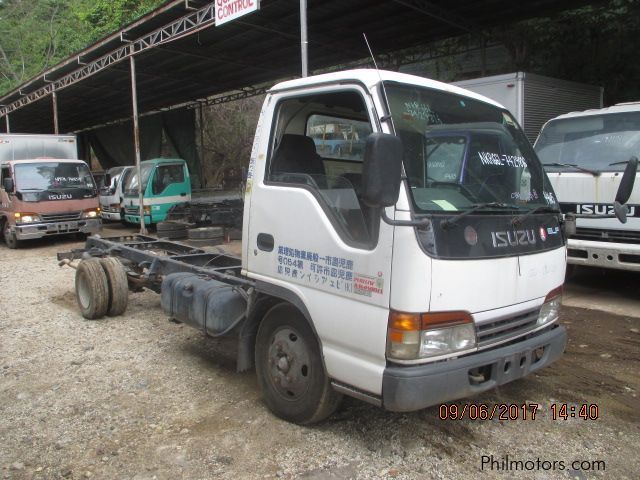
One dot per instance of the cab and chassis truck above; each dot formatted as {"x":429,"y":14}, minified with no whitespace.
{"x":44,"y":189}
{"x":389,"y":278}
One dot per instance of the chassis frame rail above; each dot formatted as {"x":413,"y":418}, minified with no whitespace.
{"x":153,"y":258}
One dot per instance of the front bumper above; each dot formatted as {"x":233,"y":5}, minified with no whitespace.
{"x":110,"y":215}
{"x":622,"y":256}
{"x":39,"y":230}
{"x":411,"y":388}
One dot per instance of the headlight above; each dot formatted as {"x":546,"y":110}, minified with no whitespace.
{"x":91,"y":213}
{"x":550,"y":310}
{"x":412,"y":336}
{"x":146,"y":209}
{"x":27,"y":217}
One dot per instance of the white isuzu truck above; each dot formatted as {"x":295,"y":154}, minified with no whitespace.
{"x":426,"y":269}
{"x":585,"y":154}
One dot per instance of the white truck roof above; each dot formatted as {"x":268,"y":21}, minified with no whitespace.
{"x":44,"y":160}
{"x":618,"y":108}
{"x":371,"y":77}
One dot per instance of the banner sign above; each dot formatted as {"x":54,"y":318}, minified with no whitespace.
{"x":227,"y":10}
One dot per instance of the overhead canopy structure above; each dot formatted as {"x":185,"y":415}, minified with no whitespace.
{"x":182,"y":57}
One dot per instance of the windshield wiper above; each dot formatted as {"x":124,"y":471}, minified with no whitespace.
{"x":573,"y":165}
{"x":452,"y":220}
{"x":541,"y":209}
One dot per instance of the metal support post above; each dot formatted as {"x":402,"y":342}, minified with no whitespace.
{"x":6,"y":118}
{"x":54,"y":98}
{"x":202,"y":183}
{"x":304,"y":42}
{"x":136,"y":142}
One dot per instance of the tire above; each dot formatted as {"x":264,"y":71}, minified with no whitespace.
{"x":171,"y":230}
{"x":10,"y":238}
{"x":169,"y":226}
{"x":289,"y":368}
{"x":118,"y":286}
{"x":92,"y":289}
{"x":205,"y":233}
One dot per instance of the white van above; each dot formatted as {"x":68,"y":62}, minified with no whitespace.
{"x":111,"y":196}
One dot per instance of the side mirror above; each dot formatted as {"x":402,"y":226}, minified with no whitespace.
{"x":107,"y":179}
{"x":628,"y":179}
{"x":625,"y":189}
{"x":382,"y":170}
{"x":8,"y":185}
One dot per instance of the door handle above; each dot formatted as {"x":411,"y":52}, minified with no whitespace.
{"x":265,"y":242}
{"x":183,"y":194}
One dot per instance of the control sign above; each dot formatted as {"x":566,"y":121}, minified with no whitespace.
{"x":227,"y":10}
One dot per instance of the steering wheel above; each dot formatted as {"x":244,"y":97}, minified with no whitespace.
{"x":458,"y":186}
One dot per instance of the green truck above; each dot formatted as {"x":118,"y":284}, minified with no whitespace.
{"x":165,"y":183}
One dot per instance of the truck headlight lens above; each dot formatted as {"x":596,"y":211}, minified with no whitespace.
{"x":147,"y":209}
{"x":91,"y":213}
{"x":550,"y":310}
{"x":27,"y":217}
{"x":412,"y":336}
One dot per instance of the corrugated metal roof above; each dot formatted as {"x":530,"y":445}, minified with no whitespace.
{"x":257,"y":49}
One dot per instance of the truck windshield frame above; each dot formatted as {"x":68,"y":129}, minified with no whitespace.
{"x":460,"y":152}
{"x":52,"y":176}
{"x":131,"y":187}
{"x":601,"y":142}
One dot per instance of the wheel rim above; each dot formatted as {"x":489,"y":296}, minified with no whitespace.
{"x":289,"y":364}
{"x":83,"y":293}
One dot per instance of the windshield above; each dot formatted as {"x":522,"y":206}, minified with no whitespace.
{"x":53,"y":176}
{"x":460,"y":152}
{"x":593,"y":142}
{"x":131,"y":187}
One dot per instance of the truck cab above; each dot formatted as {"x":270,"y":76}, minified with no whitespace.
{"x":44,"y":189}
{"x":112,"y":195}
{"x":165,"y":183}
{"x":449,"y":287}
{"x":585,"y":154}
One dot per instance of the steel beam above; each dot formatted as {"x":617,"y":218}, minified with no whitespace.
{"x":54,"y":100}
{"x":136,"y":142}
{"x":184,"y":26}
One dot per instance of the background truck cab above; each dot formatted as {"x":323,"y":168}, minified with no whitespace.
{"x":585,"y":154}
{"x":112,"y":195}
{"x":44,"y":189}
{"x":165,"y":181}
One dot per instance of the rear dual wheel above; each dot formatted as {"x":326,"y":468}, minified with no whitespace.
{"x":101,"y":288}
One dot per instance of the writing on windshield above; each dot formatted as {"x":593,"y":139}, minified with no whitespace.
{"x":460,"y":152}
{"x":53,"y":176}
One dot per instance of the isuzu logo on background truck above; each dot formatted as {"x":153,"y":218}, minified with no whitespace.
{"x":413,"y":274}
{"x":585,"y":154}
{"x":44,"y":189}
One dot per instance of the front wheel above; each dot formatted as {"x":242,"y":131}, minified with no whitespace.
{"x":289,"y":368}
{"x":9,"y":237}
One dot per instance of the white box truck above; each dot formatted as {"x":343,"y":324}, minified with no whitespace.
{"x":426,"y":269}
{"x":534,"y":99}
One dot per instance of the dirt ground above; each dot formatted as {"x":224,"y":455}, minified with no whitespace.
{"x":138,"y":397}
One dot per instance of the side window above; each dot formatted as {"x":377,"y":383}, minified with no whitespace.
{"x":166,"y":175}
{"x":323,"y":152}
{"x":5,"y":172}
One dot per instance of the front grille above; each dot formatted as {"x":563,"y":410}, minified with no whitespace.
{"x":600,"y":235}
{"x":132,"y":210}
{"x":507,"y":328}
{"x":60,"y":217}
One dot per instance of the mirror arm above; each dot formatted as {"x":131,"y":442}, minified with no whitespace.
{"x":423,"y":222}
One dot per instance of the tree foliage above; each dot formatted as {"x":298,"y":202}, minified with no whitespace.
{"x":37,"y":34}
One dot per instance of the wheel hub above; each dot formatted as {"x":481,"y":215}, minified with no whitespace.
{"x":289,"y":364}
